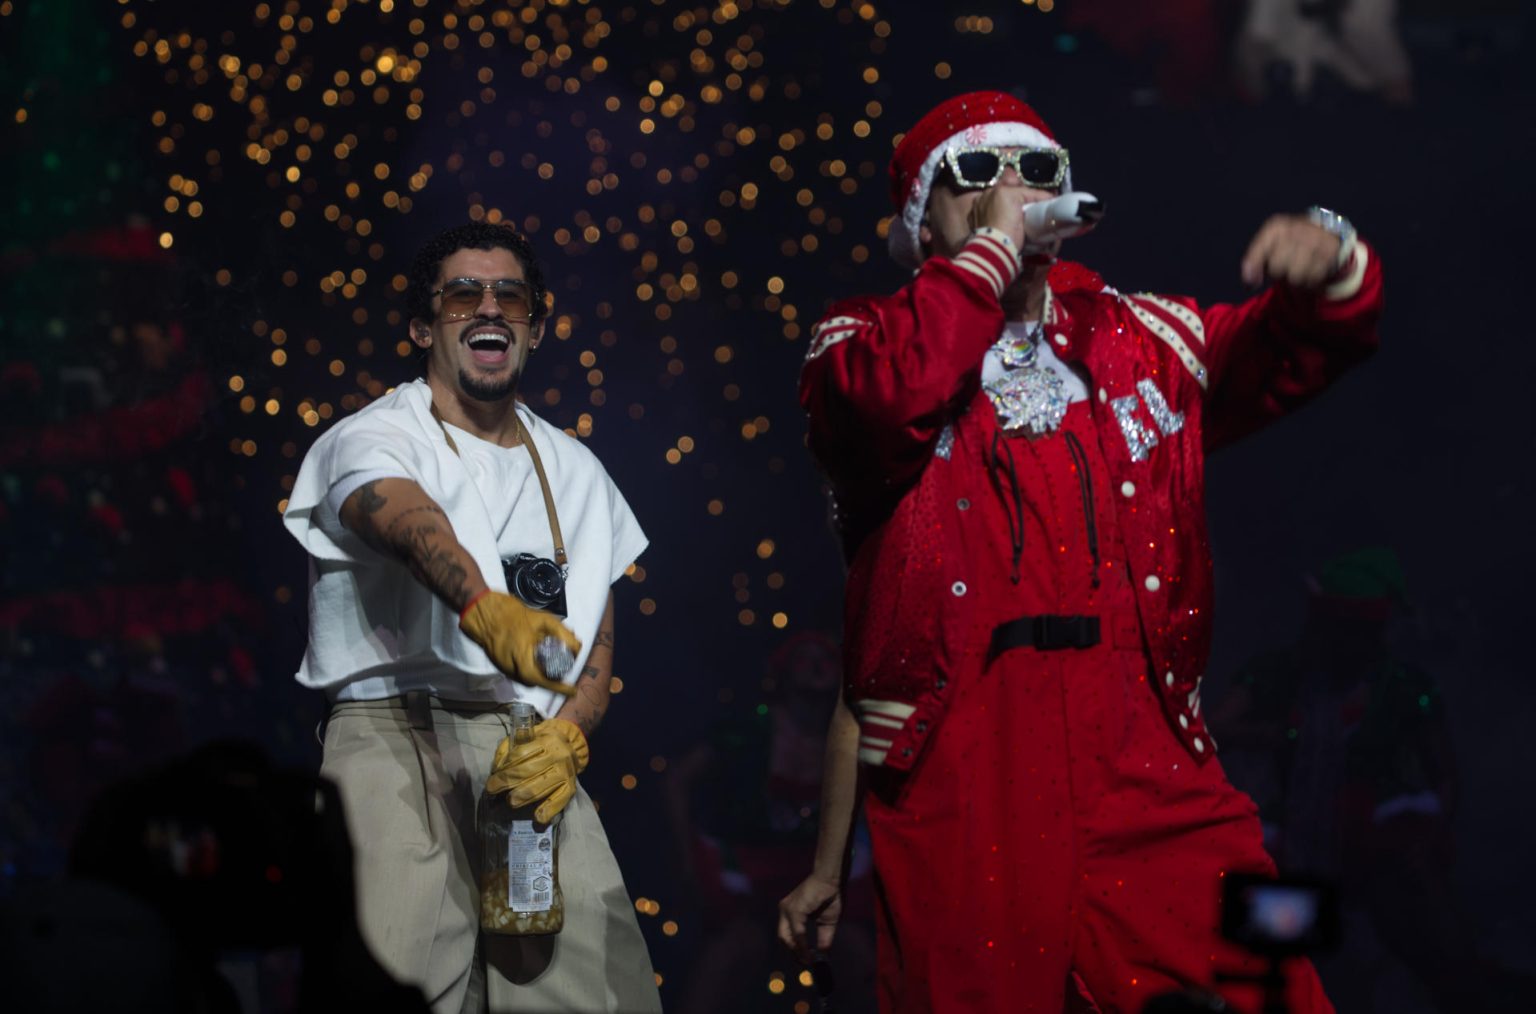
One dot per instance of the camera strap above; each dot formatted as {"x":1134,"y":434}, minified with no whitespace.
{"x":526,"y":439}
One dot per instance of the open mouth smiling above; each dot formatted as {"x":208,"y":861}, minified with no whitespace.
{"x":488,"y":344}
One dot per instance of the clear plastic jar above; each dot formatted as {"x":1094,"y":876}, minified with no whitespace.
{"x":520,"y":886}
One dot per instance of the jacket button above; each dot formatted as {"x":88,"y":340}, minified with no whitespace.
{"x":922,"y":726}
{"x":1103,"y":395}
{"x":1199,"y":744}
{"x":958,"y":588}
{"x":1183,"y":722}
{"x":1152,"y":583}
{"x":963,"y":504}
{"x":1061,"y":340}
{"x":906,"y":751}
{"x":939,"y":683}
{"x":1168,"y":678}
{"x":1128,"y":489}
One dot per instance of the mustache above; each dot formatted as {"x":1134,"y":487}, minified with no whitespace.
{"x":472,"y":324}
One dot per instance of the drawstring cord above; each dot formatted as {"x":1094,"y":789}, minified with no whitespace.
{"x":1015,"y":530}
{"x":1085,"y":485}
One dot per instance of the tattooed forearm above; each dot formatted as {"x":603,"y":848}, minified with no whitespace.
{"x":436,"y":565}
{"x":588,"y":705}
{"x":396,"y":518}
{"x":435,"y":558}
{"x":595,"y":683}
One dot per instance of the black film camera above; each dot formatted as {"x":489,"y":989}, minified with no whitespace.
{"x":539,"y":582}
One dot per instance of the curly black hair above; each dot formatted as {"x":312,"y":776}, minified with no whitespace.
{"x":472,"y":236}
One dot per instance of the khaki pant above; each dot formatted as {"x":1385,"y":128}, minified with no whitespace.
{"x":411,"y":770}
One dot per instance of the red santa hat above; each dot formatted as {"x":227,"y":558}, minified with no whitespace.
{"x":976,"y":118}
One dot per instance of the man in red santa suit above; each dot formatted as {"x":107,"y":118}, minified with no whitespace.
{"x":1017,"y":454}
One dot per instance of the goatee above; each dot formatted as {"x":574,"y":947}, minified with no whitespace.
{"x":487,"y":390}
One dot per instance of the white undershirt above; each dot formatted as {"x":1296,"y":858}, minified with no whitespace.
{"x":992,"y":367}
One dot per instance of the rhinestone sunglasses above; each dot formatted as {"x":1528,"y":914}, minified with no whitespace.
{"x":976,"y":167}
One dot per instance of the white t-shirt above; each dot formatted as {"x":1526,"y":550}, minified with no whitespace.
{"x":374,"y":630}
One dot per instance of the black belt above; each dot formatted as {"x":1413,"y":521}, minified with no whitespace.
{"x":1045,"y":633}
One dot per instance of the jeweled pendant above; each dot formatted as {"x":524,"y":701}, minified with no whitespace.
{"x":1034,"y":399}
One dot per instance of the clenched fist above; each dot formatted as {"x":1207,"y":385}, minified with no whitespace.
{"x":1292,"y":249}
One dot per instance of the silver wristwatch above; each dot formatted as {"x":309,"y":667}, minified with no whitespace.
{"x":1337,"y":224}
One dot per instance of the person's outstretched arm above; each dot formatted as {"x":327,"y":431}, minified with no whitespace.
{"x":397,"y":518}
{"x":1273,"y":353}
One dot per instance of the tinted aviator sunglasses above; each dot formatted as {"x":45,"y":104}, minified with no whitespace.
{"x":462,"y":298}
{"x":979,"y":166}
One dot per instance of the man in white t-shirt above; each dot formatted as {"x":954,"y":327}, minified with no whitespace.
{"x":417,"y":512}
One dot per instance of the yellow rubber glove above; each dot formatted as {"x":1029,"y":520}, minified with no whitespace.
{"x":545,"y":768}
{"x":509,"y":631}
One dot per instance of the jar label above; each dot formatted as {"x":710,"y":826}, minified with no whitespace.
{"x":530,"y":867}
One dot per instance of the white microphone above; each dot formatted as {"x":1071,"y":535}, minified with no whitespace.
{"x":1047,"y":223}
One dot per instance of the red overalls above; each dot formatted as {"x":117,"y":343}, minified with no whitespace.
{"x":1056,"y":838}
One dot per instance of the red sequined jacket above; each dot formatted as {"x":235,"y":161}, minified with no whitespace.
{"x":891,"y":381}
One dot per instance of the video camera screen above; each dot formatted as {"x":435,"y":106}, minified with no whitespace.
{"x":1279,"y":917}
